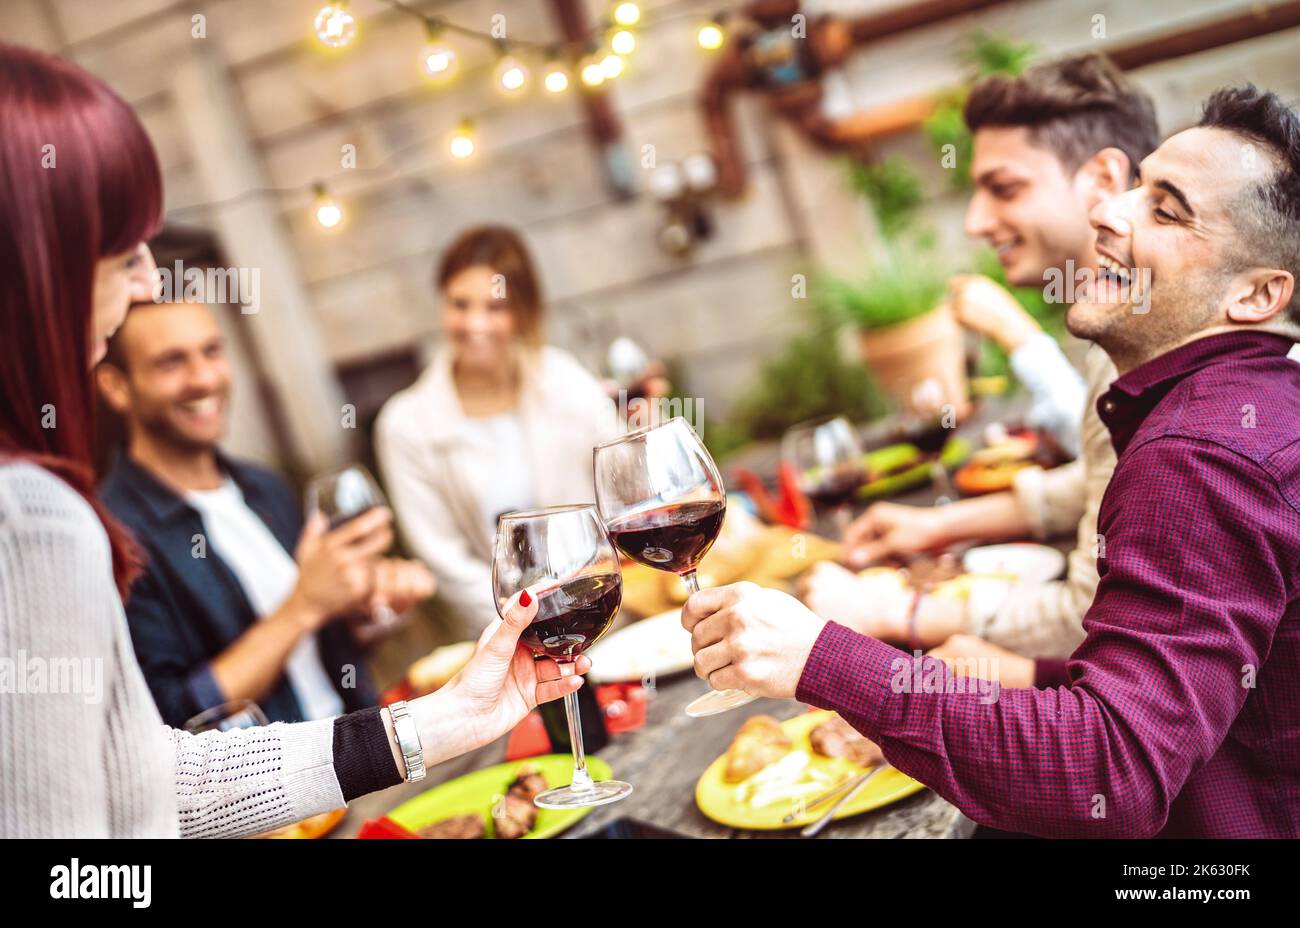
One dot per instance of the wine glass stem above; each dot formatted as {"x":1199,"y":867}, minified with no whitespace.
{"x":843,"y":519}
{"x":692,"y":583}
{"x":581,"y":778}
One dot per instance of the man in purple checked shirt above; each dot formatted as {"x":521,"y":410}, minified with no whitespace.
{"x":1179,"y":715}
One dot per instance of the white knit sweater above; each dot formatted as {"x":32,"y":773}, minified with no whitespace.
{"x":86,"y":759}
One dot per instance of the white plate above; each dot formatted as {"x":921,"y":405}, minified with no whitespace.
{"x":1031,"y":563}
{"x":656,"y":646}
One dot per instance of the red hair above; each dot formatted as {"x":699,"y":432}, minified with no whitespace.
{"x":79,"y":181}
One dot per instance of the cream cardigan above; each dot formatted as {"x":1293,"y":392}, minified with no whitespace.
{"x":83,"y":751}
{"x":1047,"y":620}
{"x":427,"y":449}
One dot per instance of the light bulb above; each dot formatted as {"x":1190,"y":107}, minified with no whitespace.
{"x":593,"y":75}
{"x":510,"y":74}
{"x":622,"y":42}
{"x":710,"y":36}
{"x":462,"y":143}
{"x":557,"y":79}
{"x":328,"y":213}
{"x":611,"y":66}
{"x":627,"y":14}
{"x":335,"y":26}
{"x":439,"y":61}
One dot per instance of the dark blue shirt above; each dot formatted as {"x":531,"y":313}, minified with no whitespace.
{"x":185,"y":610}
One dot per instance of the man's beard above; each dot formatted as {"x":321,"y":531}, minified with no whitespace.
{"x":1175,"y":310}
{"x":162,"y":431}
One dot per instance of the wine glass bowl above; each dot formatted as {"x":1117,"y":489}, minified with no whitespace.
{"x":342,"y":495}
{"x":827,"y":458}
{"x":664,"y":502}
{"x":563,"y":557}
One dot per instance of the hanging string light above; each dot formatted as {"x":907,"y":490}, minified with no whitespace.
{"x":437,"y":58}
{"x":593,"y":75}
{"x":462,"y":140}
{"x":711,"y":36}
{"x":557,"y":76}
{"x":627,"y":14}
{"x":611,"y":66}
{"x":328,"y":213}
{"x":511,"y":76}
{"x":622,"y":42}
{"x":335,"y":25}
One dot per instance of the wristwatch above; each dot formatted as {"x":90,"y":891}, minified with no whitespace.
{"x":408,"y":740}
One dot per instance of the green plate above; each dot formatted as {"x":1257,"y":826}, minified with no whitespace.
{"x":954,"y":453}
{"x":480,"y":790}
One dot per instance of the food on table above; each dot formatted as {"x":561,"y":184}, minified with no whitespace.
{"x":515,"y":815}
{"x":435,"y":669}
{"x":995,"y":466}
{"x":760,"y":741}
{"x":314,"y":827}
{"x":791,"y":779}
{"x":457,"y":827}
{"x":837,"y":738}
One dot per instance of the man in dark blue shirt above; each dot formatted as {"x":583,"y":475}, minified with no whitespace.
{"x":239,"y":600}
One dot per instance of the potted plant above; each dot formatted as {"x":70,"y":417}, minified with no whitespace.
{"x":908,"y":335}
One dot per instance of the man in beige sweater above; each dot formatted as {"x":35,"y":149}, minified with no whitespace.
{"x":1047,"y":146}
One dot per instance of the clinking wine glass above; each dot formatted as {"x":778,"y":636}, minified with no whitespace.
{"x":828,"y":459}
{"x":663,"y":501}
{"x":341,"y":496}
{"x":563,"y":557}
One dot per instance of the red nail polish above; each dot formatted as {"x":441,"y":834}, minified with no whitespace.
{"x":525,"y":599}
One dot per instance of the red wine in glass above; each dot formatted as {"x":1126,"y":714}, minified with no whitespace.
{"x":835,"y":491}
{"x":663,"y":501}
{"x":571,"y":616}
{"x":674,"y":538}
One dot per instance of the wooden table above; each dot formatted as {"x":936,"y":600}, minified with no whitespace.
{"x":663,"y":759}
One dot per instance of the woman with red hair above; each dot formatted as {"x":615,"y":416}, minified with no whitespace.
{"x":85,"y":752}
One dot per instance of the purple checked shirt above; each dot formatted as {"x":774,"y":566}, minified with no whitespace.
{"x":1181,"y":713}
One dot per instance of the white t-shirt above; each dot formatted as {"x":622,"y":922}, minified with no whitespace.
{"x":505,"y":483}
{"x":267,"y":573}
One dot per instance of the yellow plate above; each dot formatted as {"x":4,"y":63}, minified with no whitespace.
{"x":721,"y":801}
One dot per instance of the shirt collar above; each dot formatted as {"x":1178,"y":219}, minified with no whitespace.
{"x":164,"y":503}
{"x":1133,"y":395}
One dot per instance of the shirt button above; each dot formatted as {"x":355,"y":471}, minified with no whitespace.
{"x":1108,"y":406}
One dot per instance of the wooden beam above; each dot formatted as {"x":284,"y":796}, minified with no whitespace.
{"x":907,"y":16}
{"x":904,"y":115}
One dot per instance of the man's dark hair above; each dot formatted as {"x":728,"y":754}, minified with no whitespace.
{"x":1073,"y":107}
{"x":1267,"y":215}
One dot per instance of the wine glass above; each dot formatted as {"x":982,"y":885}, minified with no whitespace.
{"x":662,"y":498}
{"x":341,"y":496}
{"x":827,"y":458}
{"x":563,"y":557}
{"x":238,"y":713}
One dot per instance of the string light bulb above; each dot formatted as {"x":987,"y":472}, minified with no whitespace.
{"x":557,"y":78}
{"x":328,"y":212}
{"x":437,"y":59}
{"x":611,"y":66}
{"x":710,"y":36}
{"x":593,"y":75}
{"x":510,"y":74}
{"x":627,"y":14}
{"x":622,"y":42}
{"x":334,"y":25}
{"x":462,"y":141}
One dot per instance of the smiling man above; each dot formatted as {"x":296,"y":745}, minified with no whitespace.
{"x":1179,"y":714}
{"x":238,"y":599}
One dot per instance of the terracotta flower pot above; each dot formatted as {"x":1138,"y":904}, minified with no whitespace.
{"x":920,"y":364}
